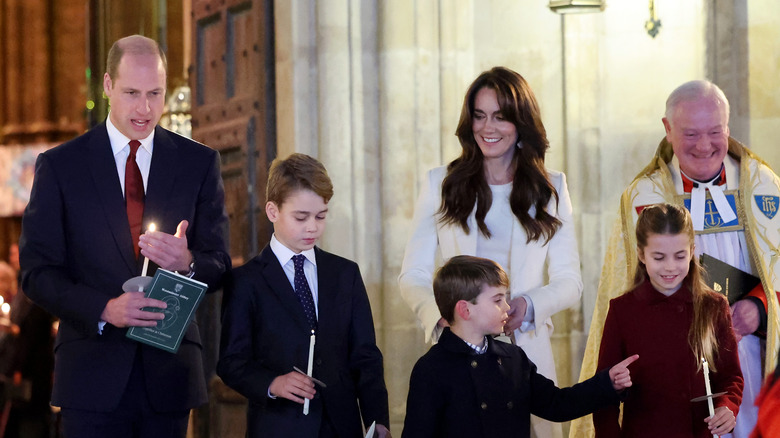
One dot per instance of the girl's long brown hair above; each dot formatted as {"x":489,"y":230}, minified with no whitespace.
{"x":672,"y":219}
{"x":465,"y":184}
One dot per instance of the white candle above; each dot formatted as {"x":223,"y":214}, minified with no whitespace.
{"x":706,"y":369}
{"x":146,"y":259}
{"x":5,"y":308}
{"x":309,"y":369}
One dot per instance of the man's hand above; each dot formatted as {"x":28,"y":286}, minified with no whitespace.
{"x":722,"y":421}
{"x":125,"y":311}
{"x":168,"y":251}
{"x":620,"y":376}
{"x":744,"y":318}
{"x":517,"y":309}
{"x":293,"y":386}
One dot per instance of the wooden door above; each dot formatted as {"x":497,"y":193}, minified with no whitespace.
{"x":232,"y":82}
{"x":232,"y":79}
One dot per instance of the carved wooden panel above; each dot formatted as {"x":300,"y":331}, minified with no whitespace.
{"x":232,"y":112}
{"x":231,"y":78}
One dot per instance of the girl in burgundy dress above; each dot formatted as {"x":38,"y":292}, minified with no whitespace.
{"x":672,"y":320}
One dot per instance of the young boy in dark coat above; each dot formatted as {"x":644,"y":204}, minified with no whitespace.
{"x":469,"y":385}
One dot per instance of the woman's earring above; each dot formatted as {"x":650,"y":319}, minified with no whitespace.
{"x":519,"y":144}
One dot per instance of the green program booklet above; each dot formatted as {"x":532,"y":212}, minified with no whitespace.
{"x":182,"y":295}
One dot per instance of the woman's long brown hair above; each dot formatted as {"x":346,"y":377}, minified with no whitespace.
{"x":465,"y":184}
{"x":672,"y":219}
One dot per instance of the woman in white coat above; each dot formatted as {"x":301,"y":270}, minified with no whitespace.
{"x":498,"y":201}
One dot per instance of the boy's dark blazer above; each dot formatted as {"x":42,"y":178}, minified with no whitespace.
{"x":454,"y":392}
{"x":265,"y":333}
{"x":76,"y":251}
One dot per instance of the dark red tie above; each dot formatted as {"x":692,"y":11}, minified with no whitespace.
{"x":134,"y":195}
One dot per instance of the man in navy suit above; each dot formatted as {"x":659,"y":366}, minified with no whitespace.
{"x":77,"y":249}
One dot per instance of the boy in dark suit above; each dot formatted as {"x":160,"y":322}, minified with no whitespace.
{"x":278,"y":299}
{"x":469,"y":385}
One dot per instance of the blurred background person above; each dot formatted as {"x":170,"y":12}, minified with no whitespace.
{"x":26,"y":360}
{"x":8,"y":282}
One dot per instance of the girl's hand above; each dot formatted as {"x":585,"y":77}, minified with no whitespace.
{"x":722,"y":421}
{"x":620,"y":376}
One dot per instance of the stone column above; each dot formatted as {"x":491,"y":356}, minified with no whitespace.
{"x":410,"y":138}
{"x":27,"y":71}
{"x":726,"y":57}
{"x":43,"y":60}
{"x":582,"y":154}
{"x":764,"y":99}
{"x":296,"y":76}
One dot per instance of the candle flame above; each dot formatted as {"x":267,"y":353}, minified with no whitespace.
{"x":152,"y":227}
{"x":6,"y":308}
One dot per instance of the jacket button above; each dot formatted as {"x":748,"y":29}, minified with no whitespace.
{"x":483,"y":406}
{"x":473,"y":364}
{"x":318,"y":361}
{"x":510,"y":405}
{"x":499,"y":361}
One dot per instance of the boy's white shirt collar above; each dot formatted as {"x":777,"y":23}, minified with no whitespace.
{"x":284,"y":254}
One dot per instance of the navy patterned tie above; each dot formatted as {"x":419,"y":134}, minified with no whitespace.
{"x":303,"y":292}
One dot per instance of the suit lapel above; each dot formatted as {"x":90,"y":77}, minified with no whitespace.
{"x":327,"y":290}
{"x":103,"y":168}
{"x":162,"y":176}
{"x":280,"y":285}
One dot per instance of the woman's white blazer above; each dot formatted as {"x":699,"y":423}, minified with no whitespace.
{"x":548,"y":274}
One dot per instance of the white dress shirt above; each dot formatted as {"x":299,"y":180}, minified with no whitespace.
{"x":121,"y":148}
{"x":285,"y":254}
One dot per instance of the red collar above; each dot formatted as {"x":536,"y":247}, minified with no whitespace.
{"x":689,"y":184}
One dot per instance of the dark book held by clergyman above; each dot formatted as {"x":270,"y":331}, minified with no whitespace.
{"x":182,"y":295}
{"x":726,"y":279}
